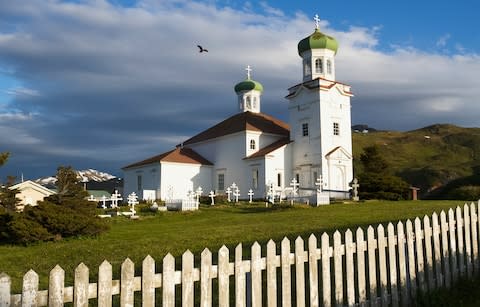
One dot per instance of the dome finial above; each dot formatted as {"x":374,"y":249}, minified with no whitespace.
{"x":249,"y":71}
{"x":317,"y":21}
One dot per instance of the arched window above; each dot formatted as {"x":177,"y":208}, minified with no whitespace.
{"x":252,"y":144}
{"x":318,"y":66}
{"x":249,"y":104}
{"x":306,"y":67}
{"x":329,"y":67}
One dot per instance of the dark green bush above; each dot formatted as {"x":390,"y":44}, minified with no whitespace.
{"x":50,"y":221}
{"x":383,"y":186}
{"x":22,"y":230}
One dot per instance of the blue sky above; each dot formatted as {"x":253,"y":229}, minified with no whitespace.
{"x":98,"y":84}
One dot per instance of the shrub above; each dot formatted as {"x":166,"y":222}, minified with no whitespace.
{"x":377,"y":186}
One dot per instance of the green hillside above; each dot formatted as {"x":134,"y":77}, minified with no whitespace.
{"x":439,"y":159}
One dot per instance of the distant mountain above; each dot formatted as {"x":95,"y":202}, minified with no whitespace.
{"x":363,"y":128}
{"x":437,"y":158}
{"x":88,"y":175}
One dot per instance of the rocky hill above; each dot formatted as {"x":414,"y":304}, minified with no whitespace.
{"x":436,"y":158}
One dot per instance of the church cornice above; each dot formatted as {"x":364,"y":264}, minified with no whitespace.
{"x":322,"y":84}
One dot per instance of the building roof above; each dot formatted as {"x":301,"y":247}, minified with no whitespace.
{"x":179,"y":155}
{"x":248,"y":85}
{"x":32,"y":185}
{"x":317,"y":40}
{"x":268,"y":149}
{"x":242,"y":122}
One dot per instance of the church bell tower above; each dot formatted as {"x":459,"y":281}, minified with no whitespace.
{"x":249,"y":92}
{"x":320,"y":119}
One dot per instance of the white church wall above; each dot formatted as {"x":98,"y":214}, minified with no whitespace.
{"x":278,"y":163}
{"x":137,"y":179}
{"x":307,"y":155}
{"x":227,"y":154}
{"x":256,"y":166}
{"x":320,"y":110}
{"x":336,"y":109}
{"x":180,"y":178}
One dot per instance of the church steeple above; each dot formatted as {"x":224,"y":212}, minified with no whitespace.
{"x":248,"y":92}
{"x":318,"y":53}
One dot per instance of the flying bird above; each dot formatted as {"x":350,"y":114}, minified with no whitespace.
{"x":201,"y":49}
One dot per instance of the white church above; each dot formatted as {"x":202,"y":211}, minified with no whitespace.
{"x":255,"y":150}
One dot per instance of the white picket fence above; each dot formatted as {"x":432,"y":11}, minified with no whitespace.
{"x":383,"y":268}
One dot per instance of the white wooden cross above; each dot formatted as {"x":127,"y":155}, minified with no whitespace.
{"x":294,"y":185}
{"x":132,"y":201}
{"x":236,"y":194}
{"x":249,"y":71}
{"x":198,"y":193}
{"x":317,"y":21}
{"x":319,"y":184}
{"x":212,"y":196}
{"x":250,"y":195}
{"x":104,"y":200}
{"x":115,"y":198}
{"x":229,"y":191}
{"x":271,"y":194}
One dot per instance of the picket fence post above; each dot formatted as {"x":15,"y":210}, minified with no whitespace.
{"x":5,"y":290}
{"x":300,"y":271}
{"x":148,"y":282}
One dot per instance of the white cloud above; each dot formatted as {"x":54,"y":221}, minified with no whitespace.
{"x":22,"y":91}
{"x":97,"y":73}
{"x":442,"y":41}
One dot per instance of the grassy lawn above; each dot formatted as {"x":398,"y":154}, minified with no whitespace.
{"x":212,"y":227}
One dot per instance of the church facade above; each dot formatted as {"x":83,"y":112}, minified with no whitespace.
{"x":255,"y":150}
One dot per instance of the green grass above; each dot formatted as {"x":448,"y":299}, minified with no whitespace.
{"x":175,"y":232}
{"x":449,"y":153}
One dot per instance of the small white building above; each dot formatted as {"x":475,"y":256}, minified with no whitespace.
{"x":30,"y":193}
{"x":255,"y":150}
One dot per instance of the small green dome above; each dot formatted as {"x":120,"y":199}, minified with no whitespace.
{"x":317,"y":40}
{"x":248,"y":85}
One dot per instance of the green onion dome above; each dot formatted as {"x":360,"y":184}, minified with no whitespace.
{"x":248,"y":85}
{"x":317,"y":40}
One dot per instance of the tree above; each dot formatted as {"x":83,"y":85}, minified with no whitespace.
{"x":3,"y":157}
{"x":68,"y":186}
{"x":376,"y":181}
{"x":8,"y":199}
{"x":372,"y":160}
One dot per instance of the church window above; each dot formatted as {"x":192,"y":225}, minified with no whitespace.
{"x":336,"y":129}
{"x":252,"y":144}
{"x":255,"y":179}
{"x":221,"y":182}
{"x":297,"y":177}
{"x":306,"y":67}
{"x":139,"y":182}
{"x":279,"y":179}
{"x":315,"y":176}
{"x":329,"y":67}
{"x":305,"y":129}
{"x":318,"y":66}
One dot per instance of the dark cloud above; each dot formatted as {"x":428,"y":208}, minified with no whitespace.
{"x":103,"y":86}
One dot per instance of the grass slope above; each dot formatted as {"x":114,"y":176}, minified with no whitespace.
{"x":429,"y":157}
{"x":175,"y":232}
